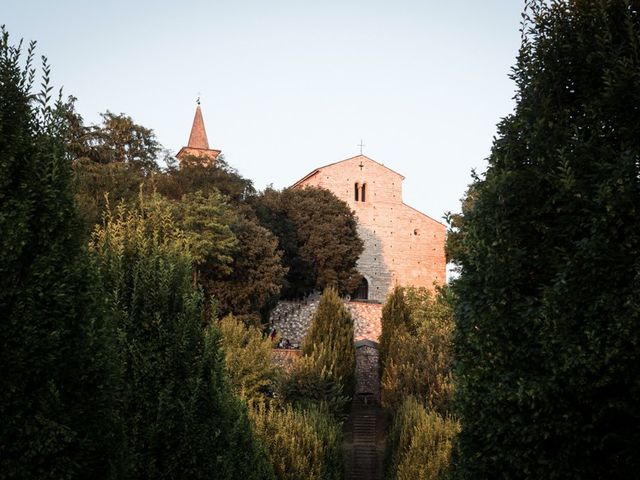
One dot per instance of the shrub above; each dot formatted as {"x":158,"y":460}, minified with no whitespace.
{"x":248,"y":359}
{"x":310,"y":382}
{"x":302,"y":444}
{"x":419,"y":443}
{"x":420,"y":356}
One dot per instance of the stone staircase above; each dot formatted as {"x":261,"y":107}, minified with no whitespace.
{"x":364,"y":430}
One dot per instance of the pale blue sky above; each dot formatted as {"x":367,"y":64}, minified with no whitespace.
{"x":288,"y":86}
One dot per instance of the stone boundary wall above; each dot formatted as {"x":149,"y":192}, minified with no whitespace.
{"x":292,"y":319}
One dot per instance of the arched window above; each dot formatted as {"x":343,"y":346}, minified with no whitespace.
{"x":364,"y":192}
{"x":362,"y":292}
{"x":356,"y":190}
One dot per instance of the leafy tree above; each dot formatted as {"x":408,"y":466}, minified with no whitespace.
{"x":248,"y":359}
{"x":193,"y":175}
{"x":253,"y":285}
{"x":58,"y":375}
{"x":548,"y":317}
{"x":205,"y":221}
{"x":181,"y":415}
{"x":118,"y":139}
{"x":94,"y":182}
{"x":330,"y":338}
{"x":318,"y":236}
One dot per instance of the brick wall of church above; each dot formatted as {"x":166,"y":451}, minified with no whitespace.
{"x":402,"y":245}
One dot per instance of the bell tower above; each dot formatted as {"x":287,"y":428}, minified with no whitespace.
{"x":198,"y":145}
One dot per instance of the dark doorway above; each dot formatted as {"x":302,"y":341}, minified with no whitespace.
{"x":362,"y":292}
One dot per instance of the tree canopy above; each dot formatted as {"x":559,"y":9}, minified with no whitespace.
{"x":548,"y":321}
{"x":59,"y":414}
{"x":318,"y":236}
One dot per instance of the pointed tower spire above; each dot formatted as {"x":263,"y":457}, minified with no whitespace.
{"x":198,"y":145}
{"x":198,"y":137}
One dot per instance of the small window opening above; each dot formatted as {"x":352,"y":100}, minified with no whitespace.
{"x":356,"y":191}
{"x":364,"y":191}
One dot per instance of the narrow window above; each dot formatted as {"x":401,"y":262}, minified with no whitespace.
{"x":364,"y":191}
{"x":355,"y":191}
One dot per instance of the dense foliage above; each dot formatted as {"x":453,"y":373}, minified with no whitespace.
{"x":252,"y":287}
{"x":318,"y":236}
{"x":248,"y":359}
{"x":394,"y":322}
{"x":548,"y":318}
{"x":419,"y":443}
{"x":302,"y":444}
{"x":174,"y":396}
{"x":420,"y":355}
{"x":59,"y":418}
{"x":417,"y":383}
{"x":310,"y":381}
{"x":194,"y":175}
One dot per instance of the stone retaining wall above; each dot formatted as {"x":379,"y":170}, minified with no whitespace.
{"x":292,"y":319}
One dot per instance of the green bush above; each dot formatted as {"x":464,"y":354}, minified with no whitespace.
{"x":58,"y":417}
{"x":330,"y":338}
{"x":302,"y":444}
{"x":180,"y":413}
{"x":248,"y":359}
{"x":419,"y":443}
{"x":548,"y":311}
{"x":419,"y":358}
{"x":310,"y":382}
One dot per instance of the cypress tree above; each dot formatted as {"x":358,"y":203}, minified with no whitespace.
{"x":395,"y":321}
{"x":331,"y":340}
{"x":548,"y":317}
{"x":57,"y":377}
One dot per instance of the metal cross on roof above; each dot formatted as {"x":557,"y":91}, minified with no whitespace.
{"x":361,"y":145}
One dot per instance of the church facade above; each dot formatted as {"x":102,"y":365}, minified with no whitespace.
{"x":402,"y":246}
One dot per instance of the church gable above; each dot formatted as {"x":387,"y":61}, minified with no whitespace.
{"x":360,"y":181}
{"x":401,"y":245}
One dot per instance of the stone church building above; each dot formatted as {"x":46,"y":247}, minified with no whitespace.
{"x":402,"y":246}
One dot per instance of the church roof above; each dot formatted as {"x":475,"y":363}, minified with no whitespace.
{"x":313,"y":172}
{"x":198,"y":137}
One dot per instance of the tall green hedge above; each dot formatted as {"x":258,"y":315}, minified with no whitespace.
{"x":548,"y":318}
{"x":58,"y":419}
{"x":181,"y":417}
